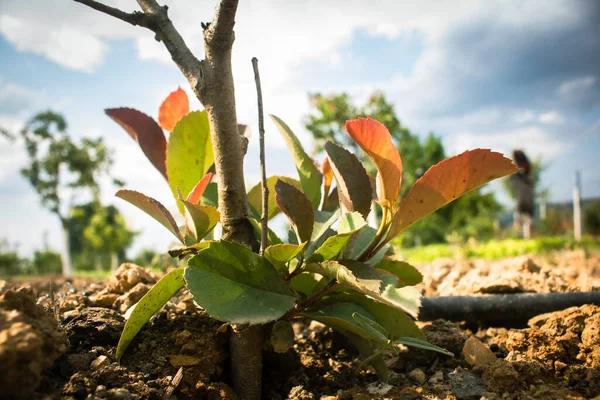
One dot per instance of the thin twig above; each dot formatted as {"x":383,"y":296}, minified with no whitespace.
{"x":264,"y":218}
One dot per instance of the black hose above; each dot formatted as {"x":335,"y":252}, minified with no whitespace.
{"x":508,"y":310}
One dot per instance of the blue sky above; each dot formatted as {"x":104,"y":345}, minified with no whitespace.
{"x":500,"y":75}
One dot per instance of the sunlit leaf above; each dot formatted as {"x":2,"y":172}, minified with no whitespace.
{"x":327,"y":179}
{"x":175,"y":106}
{"x":296,"y":206}
{"x":180,"y":252}
{"x":375,"y":139}
{"x":310,"y":177}
{"x":255,"y":196}
{"x":199,"y":220}
{"x":405,"y":272}
{"x":412,"y":342}
{"x":280,"y":254}
{"x":353,"y":184}
{"x":146,"y":132}
{"x":366,"y":280}
{"x":189,"y":153}
{"x":153,"y":208}
{"x":370,"y":325}
{"x":395,"y":321}
{"x":339,"y":315}
{"x":235,"y":285}
{"x":195,"y":195}
{"x":333,"y":245}
{"x":152,"y":301}
{"x":447,"y":181}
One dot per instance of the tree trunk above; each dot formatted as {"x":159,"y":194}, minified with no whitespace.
{"x":65,"y":256}
{"x":114,"y":261}
{"x":218,"y":96}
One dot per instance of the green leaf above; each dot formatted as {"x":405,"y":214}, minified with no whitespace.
{"x":321,"y":231}
{"x":367,"y":348}
{"x":271,"y":236}
{"x":353,"y":184}
{"x":210,"y":197}
{"x":363,"y":278}
{"x":333,"y":245}
{"x":296,"y":206}
{"x":309,"y":174}
{"x":406,"y":273}
{"x":152,"y":301}
{"x":369,"y":325}
{"x":395,"y":321}
{"x":153,"y":208}
{"x":255,"y":196}
{"x":189,"y":153}
{"x":199,"y":220}
{"x":235,"y":285}
{"x":359,"y":242}
{"x":282,"y":336}
{"x":339,"y":315}
{"x":280,"y":254}
{"x":304,"y":283}
{"x":180,"y":252}
{"x":409,"y":341}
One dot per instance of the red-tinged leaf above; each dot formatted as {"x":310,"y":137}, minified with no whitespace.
{"x":146,"y":132}
{"x":175,"y":106}
{"x":446,"y":181}
{"x":327,"y":178}
{"x":375,"y":139}
{"x":153,"y":208}
{"x":296,"y":206}
{"x":354,"y":187}
{"x":196,"y":193}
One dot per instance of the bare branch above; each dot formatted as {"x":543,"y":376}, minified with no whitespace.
{"x":135,"y":18}
{"x":154,"y":17}
{"x":220,"y":32}
{"x":264,"y":219}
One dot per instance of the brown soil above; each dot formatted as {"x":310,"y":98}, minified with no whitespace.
{"x":60,"y":343}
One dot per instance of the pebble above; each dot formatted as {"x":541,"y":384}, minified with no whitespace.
{"x":99,"y":363}
{"x":436,"y":378}
{"x":119,"y":394}
{"x":417,"y":375}
{"x":494,"y":347}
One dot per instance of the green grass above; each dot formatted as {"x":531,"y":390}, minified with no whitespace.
{"x":495,"y":249}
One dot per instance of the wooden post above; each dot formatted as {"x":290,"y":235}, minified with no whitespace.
{"x":577,"y":206}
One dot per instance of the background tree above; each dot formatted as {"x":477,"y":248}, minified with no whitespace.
{"x":99,"y":236}
{"x":57,"y":165}
{"x":471,"y":215}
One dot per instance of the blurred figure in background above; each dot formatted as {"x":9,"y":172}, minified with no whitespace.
{"x":523,"y":191}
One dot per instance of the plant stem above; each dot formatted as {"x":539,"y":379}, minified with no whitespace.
{"x":264,"y":218}
{"x":378,"y":236}
{"x":315,"y":297}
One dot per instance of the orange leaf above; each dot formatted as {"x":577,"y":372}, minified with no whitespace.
{"x":175,"y":106}
{"x":375,"y":139}
{"x":146,"y":132}
{"x":446,"y":181}
{"x":327,"y":178}
{"x":196,"y":193}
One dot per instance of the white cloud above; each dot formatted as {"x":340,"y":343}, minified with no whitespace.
{"x":66,"y":46}
{"x":523,"y":116}
{"x":551,"y":117}
{"x":574,"y":85}
{"x":533,"y":140}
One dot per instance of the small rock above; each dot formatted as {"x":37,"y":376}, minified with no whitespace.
{"x":559,"y":365}
{"x":3,"y":286}
{"x":99,"y":363}
{"x":105,"y":300}
{"x":476,"y":353}
{"x":494,"y":347}
{"x":132,"y":296}
{"x":127,"y":276}
{"x":436,"y":378}
{"x":179,"y":360}
{"x":466,"y":385}
{"x":417,"y":375}
{"x":119,"y":394}
{"x":379,"y":388}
